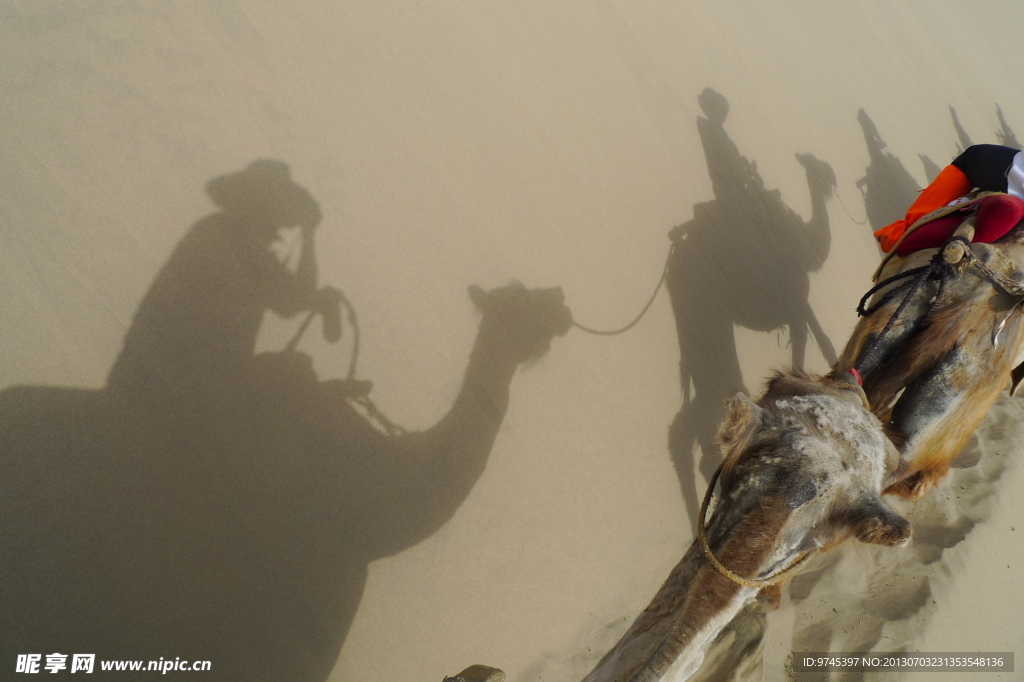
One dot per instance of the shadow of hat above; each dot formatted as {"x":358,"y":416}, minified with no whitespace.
{"x":714,"y":105}
{"x":264,"y":189}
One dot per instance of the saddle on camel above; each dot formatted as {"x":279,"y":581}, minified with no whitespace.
{"x":987,"y":180}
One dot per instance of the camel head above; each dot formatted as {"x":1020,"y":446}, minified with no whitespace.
{"x":521,"y":322}
{"x":811,"y":450}
{"x":803,"y":470}
{"x":820,"y":176}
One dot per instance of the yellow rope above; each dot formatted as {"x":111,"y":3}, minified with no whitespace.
{"x":773,"y":579}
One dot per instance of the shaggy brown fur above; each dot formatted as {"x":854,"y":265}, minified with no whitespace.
{"x":745,"y":552}
{"x":948,"y":364}
{"x":740,"y":427}
{"x":693,"y":593}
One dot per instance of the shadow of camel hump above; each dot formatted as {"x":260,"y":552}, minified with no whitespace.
{"x":214,"y":505}
{"x":743,"y":260}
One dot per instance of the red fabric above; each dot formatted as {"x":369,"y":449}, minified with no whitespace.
{"x":997,"y":215}
{"x":930,"y":235}
{"x":950,"y":184}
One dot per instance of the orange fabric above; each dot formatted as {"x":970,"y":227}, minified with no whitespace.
{"x":890,"y":234}
{"x":950,"y":184}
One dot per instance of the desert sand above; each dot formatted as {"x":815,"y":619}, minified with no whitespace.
{"x":450,"y":144}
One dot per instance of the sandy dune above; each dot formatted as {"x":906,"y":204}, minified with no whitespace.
{"x":451,"y":144}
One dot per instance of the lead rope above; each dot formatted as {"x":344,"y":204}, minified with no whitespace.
{"x":937,"y":268}
{"x":650,"y":301}
{"x":363,"y":400}
{"x":755,"y":584}
{"x":353,"y":321}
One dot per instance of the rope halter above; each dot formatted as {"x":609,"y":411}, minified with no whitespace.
{"x":755,"y":584}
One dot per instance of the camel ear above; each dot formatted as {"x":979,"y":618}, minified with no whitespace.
{"x":477,"y":295}
{"x":737,"y":430}
{"x":873,"y":522}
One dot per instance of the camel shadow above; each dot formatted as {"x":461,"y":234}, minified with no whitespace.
{"x":212,"y":504}
{"x":743,"y":260}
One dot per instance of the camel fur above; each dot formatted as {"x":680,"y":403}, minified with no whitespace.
{"x":936,"y":374}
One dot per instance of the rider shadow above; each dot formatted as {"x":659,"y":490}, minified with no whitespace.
{"x":887,"y":187}
{"x":215,"y":505}
{"x":743,"y":260}
{"x":963,"y":138}
{"x":1005,"y":135}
